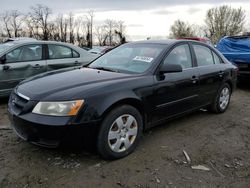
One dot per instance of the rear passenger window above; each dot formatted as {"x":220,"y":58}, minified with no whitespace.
{"x":61,"y":52}
{"x":75,"y":54}
{"x":203,"y":55}
{"x":180,"y":55}
{"x":216,"y":59}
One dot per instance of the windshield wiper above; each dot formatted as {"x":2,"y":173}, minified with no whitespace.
{"x":105,"y":69}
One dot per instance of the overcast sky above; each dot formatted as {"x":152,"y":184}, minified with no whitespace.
{"x":144,"y":18}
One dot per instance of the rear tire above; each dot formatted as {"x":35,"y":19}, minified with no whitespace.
{"x":222,"y":99}
{"x":120,"y":132}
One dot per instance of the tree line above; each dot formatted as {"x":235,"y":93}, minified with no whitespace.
{"x":40,"y":23}
{"x":219,"y":22}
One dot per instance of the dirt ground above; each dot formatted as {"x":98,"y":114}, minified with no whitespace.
{"x":219,"y":142}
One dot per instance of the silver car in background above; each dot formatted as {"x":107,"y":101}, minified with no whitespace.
{"x":21,"y":59}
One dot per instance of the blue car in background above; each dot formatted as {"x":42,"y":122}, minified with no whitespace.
{"x":237,"y":50}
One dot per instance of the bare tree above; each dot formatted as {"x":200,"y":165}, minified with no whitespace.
{"x":12,"y":23}
{"x":40,"y":15}
{"x":181,"y":29}
{"x":120,"y":31}
{"x":224,"y":21}
{"x":16,"y":21}
{"x":110,"y":26}
{"x":71,"y":28}
{"x":62,"y":27}
{"x":66,"y":28}
{"x":111,"y":33}
{"x":101,"y":35}
{"x":5,"y":17}
{"x":29,"y":26}
{"x":89,"y":37}
{"x":81,"y":31}
{"x":2,"y":35}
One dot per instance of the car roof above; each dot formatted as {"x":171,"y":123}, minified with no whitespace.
{"x":169,"y":41}
{"x":20,"y":39}
{"x":166,"y":41}
{"x":193,"y":38}
{"x":37,"y":41}
{"x":30,"y":42}
{"x":19,"y":43}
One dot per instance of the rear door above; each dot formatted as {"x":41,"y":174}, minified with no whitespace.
{"x":211,"y":72}
{"x":21,"y":63}
{"x":176,"y":93}
{"x":60,"y":56}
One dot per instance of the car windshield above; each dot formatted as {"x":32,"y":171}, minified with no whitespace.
{"x":129,"y":58}
{"x":6,"y":46}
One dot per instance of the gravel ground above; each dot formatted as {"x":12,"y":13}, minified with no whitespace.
{"x":218,"y":142}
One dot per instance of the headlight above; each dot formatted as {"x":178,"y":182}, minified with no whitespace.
{"x":65,"y":108}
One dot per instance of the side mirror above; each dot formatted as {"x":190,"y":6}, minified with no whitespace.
{"x":2,"y":59}
{"x":170,"y":68}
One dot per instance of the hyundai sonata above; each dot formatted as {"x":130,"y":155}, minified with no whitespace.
{"x":131,"y":88}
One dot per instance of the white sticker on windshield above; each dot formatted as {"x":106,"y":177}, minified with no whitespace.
{"x":145,"y":59}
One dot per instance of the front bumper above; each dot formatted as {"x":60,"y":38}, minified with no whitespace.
{"x":47,"y":131}
{"x":50,"y":136}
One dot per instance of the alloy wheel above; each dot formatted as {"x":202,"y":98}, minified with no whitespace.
{"x":224,"y":98}
{"x":122,"y":133}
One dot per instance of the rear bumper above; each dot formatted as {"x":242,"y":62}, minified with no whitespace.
{"x":244,"y":69}
{"x":50,"y":136}
{"x":244,"y":73}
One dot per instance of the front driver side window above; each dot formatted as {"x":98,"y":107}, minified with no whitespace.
{"x":25,"y":53}
{"x":180,"y":55}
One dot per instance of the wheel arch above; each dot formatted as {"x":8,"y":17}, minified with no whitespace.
{"x":136,"y":103}
{"x":230,"y":83}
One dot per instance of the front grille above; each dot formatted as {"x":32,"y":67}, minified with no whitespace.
{"x":19,"y":103}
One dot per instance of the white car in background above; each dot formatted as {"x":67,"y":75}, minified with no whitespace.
{"x":20,"y":59}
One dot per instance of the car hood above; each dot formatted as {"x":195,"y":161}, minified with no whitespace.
{"x":67,"y":84}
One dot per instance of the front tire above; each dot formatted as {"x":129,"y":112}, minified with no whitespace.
{"x":222,"y":99}
{"x":120,"y":132}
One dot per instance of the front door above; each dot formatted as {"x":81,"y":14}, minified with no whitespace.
{"x":176,"y":93}
{"x":19,"y":64}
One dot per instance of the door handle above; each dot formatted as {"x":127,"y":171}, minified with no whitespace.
{"x":6,"y":67}
{"x":77,"y":63}
{"x":221,"y":73}
{"x":37,"y":66}
{"x":194,"y":79}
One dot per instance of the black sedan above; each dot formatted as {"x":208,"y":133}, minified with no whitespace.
{"x":129,"y":89}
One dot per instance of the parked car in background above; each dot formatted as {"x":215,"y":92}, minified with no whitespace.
{"x":112,"y":100}
{"x":204,"y":40}
{"x":85,"y":48}
{"x":237,"y":50}
{"x":100,"y":49}
{"x":20,"y":59}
